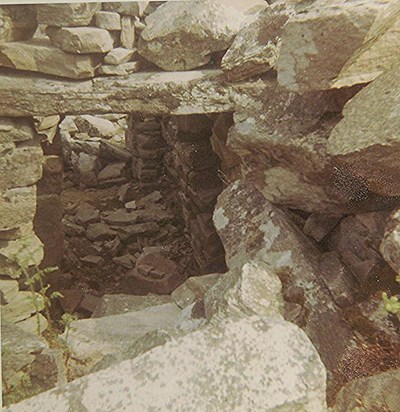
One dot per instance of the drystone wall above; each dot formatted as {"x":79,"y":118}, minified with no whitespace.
{"x":308,"y":147}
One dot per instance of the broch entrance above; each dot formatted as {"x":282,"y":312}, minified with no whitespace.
{"x":199,"y":206}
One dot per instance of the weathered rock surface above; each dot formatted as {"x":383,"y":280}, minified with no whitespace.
{"x":202,"y":364}
{"x":41,"y":56}
{"x":253,"y":289}
{"x":17,"y":207}
{"x":68,"y":14}
{"x":21,"y":307}
{"x":252,"y":229}
{"x":27,"y":158}
{"x":8,"y":290}
{"x":357,"y":239}
{"x":367,"y":139}
{"x":14,"y":130}
{"x":81,"y":40}
{"x":203,"y":91}
{"x":378,"y":392}
{"x":311,"y":38}
{"x":108,"y":20}
{"x":256,"y":46}
{"x":122,"y":69}
{"x":86,"y":169}
{"x":193,"y":289}
{"x":118,"y":304}
{"x":128,"y":35}
{"x":390,"y":245}
{"x":189,"y":33}
{"x":379,"y":51}
{"x":91,"y":339}
{"x":119,"y":55}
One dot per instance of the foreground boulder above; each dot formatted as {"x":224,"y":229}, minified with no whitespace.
{"x":243,"y":364}
{"x":184,"y":35}
{"x":252,"y":229}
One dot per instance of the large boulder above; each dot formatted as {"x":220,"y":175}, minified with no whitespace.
{"x":311,"y":38}
{"x":379,"y":51}
{"x":184,"y":35}
{"x":252,"y":229}
{"x":239,"y":364}
{"x":367,"y":140}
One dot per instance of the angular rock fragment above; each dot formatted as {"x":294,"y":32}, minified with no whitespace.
{"x":86,"y":169}
{"x":95,"y":126}
{"x":318,"y":226}
{"x":22,"y":306}
{"x":256,"y":46}
{"x":118,"y":56}
{"x":127,"y":32}
{"x":128,"y":8}
{"x":41,"y":56}
{"x":119,"y":304}
{"x":8,"y":290}
{"x":68,"y":14}
{"x":108,"y":20}
{"x":81,"y":40}
{"x":120,"y":70}
{"x":184,"y":35}
{"x":99,"y":231}
{"x":86,"y":213}
{"x":18,"y":129}
{"x":378,"y":53}
{"x":87,"y":344}
{"x":311,"y":38}
{"x":193,"y":289}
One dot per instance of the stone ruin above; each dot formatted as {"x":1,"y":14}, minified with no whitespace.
{"x":215,"y":183}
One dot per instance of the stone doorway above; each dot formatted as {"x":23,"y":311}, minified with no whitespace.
{"x":125,"y":204}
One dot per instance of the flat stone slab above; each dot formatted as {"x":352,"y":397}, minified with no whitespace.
{"x":119,"y":304}
{"x":199,"y":91}
{"x":91,"y":339}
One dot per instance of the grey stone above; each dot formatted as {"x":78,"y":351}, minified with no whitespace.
{"x":8,"y":290}
{"x":40,"y":56}
{"x":294,"y":379}
{"x":91,"y":339}
{"x":203,"y":91}
{"x":81,"y":40}
{"x":96,"y":126}
{"x":22,"y":306}
{"x":256,"y":47}
{"x":108,"y":20}
{"x":193,"y":289}
{"x":122,"y":69}
{"x":119,"y":304}
{"x":127,"y":32}
{"x":86,"y":169}
{"x":119,"y":55}
{"x":36,"y":324}
{"x":311,"y":38}
{"x":69,"y":14}
{"x":188,"y":33}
